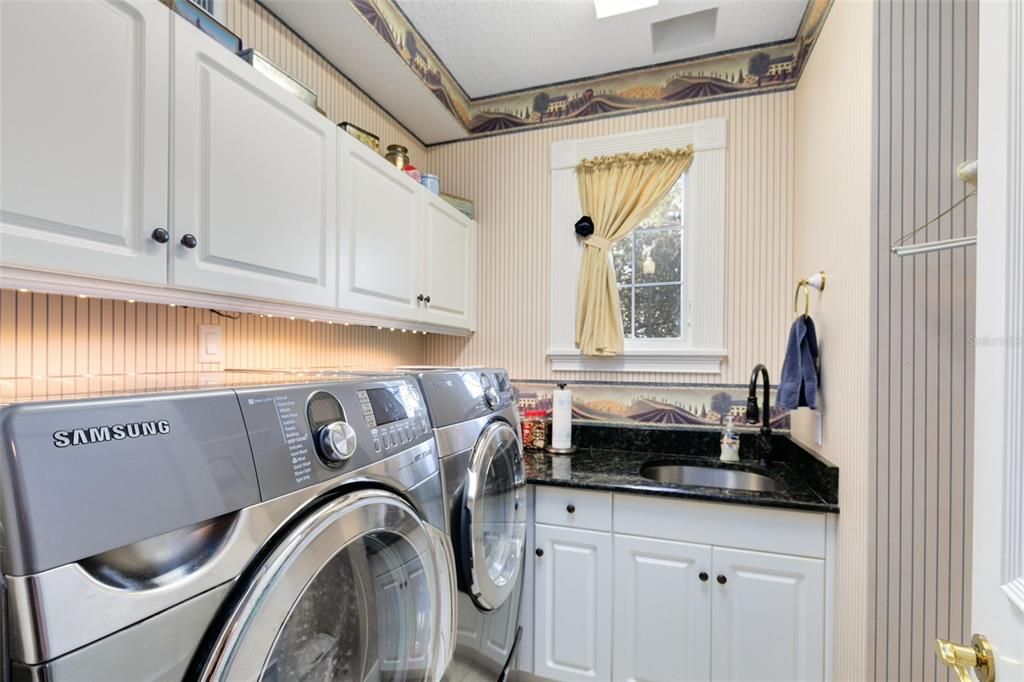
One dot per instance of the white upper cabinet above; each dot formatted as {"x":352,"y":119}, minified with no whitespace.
{"x":662,"y":610}
{"x":449,"y":279}
{"x":254,"y":181}
{"x":403,"y":253}
{"x":84,"y":133}
{"x":769,"y":617}
{"x":380,"y":216}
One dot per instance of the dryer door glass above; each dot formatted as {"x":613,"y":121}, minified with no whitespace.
{"x":361,"y":590}
{"x":494,"y":518}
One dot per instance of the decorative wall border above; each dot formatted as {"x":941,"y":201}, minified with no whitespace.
{"x":730,"y":74}
{"x":690,"y":406}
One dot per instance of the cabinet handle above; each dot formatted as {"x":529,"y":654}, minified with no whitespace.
{"x":420,"y":298}
{"x":703,"y":576}
{"x":571,"y":508}
{"x":160,"y":235}
{"x":189,"y":241}
{"x":426,"y":299}
{"x":722,"y":580}
{"x":539,"y":552}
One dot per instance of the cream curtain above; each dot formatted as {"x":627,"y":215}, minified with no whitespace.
{"x":617,"y":192}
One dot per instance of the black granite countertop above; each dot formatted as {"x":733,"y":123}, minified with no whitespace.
{"x":610,"y":458}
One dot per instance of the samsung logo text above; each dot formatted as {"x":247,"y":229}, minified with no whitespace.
{"x":114,"y":432}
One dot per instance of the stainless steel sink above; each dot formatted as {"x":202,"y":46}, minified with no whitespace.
{"x":709,"y":477}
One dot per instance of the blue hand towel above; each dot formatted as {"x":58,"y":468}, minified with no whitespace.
{"x":799,"y":384}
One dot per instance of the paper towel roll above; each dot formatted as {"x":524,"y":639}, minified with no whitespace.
{"x":561,"y":417}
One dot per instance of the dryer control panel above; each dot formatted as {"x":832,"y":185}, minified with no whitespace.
{"x":303,"y":434}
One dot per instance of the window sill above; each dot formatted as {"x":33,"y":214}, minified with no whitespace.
{"x":687,"y":361}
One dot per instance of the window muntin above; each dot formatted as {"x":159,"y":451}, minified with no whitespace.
{"x":649,"y":272}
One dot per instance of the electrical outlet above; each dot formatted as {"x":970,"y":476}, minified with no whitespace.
{"x":210,"y":347}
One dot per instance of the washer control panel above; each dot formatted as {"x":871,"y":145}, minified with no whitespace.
{"x":306,"y":433}
{"x":394,"y":413}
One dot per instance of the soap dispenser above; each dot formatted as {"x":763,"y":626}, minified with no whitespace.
{"x":730,"y":442}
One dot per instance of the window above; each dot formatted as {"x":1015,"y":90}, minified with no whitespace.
{"x":649,"y":272}
{"x":670,"y":271}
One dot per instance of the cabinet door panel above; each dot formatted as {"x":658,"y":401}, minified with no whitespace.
{"x":662,"y":610}
{"x":572,"y":608}
{"x":768,"y":619}
{"x":381,"y":219}
{"x":254,"y":180}
{"x":84,"y":156}
{"x":449,"y":266}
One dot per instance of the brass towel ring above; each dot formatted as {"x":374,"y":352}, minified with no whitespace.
{"x":802,"y":286}
{"x":815,"y":281}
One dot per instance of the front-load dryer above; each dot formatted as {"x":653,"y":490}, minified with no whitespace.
{"x":476,"y":425}
{"x":262,"y":532}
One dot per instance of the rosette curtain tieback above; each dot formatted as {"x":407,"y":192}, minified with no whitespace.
{"x":617,"y":192}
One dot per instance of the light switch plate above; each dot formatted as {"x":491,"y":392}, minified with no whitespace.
{"x":210,"y":348}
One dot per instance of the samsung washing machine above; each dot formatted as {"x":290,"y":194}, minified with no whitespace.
{"x":292,"y":531}
{"x":476,"y":425}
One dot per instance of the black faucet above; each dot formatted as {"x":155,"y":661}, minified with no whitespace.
{"x":764,"y":442}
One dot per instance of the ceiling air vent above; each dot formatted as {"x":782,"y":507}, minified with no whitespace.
{"x":685,"y":32}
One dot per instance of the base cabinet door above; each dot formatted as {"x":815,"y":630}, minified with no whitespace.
{"x":84,"y":130}
{"x":380,"y":218}
{"x":572,"y":607}
{"x":449,"y":264}
{"x":662,"y":610}
{"x":768,"y":617}
{"x":254,"y":181}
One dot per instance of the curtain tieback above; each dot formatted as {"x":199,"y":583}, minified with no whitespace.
{"x":598,"y":242}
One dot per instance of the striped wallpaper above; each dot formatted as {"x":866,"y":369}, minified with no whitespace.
{"x":50,"y":335}
{"x":508,"y":178}
{"x":926,"y":90}
{"x":834,"y":112}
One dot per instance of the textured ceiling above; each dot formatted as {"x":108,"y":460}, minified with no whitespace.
{"x":495,"y":47}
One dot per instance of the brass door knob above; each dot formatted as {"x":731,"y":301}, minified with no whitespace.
{"x":962,"y":658}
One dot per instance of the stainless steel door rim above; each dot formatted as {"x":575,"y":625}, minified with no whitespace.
{"x":243,"y":647}
{"x":496,"y":545}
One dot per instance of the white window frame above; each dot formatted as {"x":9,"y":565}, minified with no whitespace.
{"x":702,"y":346}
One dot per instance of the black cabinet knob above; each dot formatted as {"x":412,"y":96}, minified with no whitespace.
{"x":703,"y":576}
{"x":189,"y":241}
{"x":722,"y":580}
{"x":160,"y":235}
{"x":571,"y":508}
{"x":426,"y":299}
{"x":420,"y":298}
{"x":539,"y":552}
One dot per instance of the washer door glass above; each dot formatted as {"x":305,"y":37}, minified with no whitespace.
{"x":361,"y":590}
{"x":494,"y":518}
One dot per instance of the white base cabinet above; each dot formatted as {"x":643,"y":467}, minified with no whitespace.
{"x":635,"y":588}
{"x":768,"y":618}
{"x":662,"y":610}
{"x":572,"y":614}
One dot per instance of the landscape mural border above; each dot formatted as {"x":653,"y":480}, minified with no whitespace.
{"x":731,"y":74}
{"x":689,"y":406}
